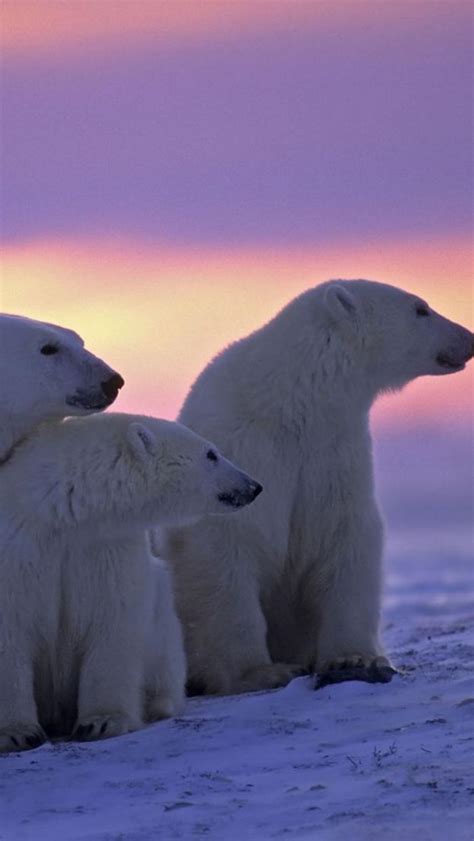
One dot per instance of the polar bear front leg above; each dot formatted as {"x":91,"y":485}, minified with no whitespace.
{"x":348,"y":643}
{"x":19,"y":726}
{"x":218,"y":589}
{"x":110,"y":681}
{"x":165,"y":662}
{"x":227,"y":645}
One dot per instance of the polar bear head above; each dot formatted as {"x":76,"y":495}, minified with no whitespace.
{"x":46,"y":373}
{"x":183,"y":475}
{"x":377,"y":337}
{"x":395,"y":336}
{"x":119,"y":471}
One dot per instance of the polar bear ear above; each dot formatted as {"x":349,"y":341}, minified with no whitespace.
{"x":340,"y":302}
{"x":141,"y":440}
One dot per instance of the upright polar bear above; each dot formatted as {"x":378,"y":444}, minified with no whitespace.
{"x":295,"y":582}
{"x":89,"y":640}
{"x":46,"y":373}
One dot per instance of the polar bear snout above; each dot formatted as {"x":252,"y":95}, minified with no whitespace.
{"x":112,"y":386}
{"x":242,"y":495}
{"x":101,"y":395}
{"x":255,"y":488}
{"x":455,"y":356}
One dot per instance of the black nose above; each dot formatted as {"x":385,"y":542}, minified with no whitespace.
{"x":111,"y":386}
{"x":237,"y":498}
{"x":255,"y":489}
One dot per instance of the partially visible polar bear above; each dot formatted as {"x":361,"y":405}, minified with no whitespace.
{"x":89,"y":639}
{"x":46,"y":373}
{"x":295,"y":582}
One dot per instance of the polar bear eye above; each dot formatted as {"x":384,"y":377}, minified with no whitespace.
{"x":422,"y":310}
{"x":211,"y":455}
{"x":49,"y":349}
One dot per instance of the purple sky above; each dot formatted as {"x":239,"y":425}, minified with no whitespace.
{"x":355,"y":130}
{"x":348,"y":130}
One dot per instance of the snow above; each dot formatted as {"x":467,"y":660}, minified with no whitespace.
{"x":353,"y":761}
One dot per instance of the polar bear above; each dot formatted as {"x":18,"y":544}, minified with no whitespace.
{"x":295,"y":582}
{"x":46,"y":373}
{"x":89,"y":640}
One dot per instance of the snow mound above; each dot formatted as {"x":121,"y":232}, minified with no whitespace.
{"x":355,"y":760}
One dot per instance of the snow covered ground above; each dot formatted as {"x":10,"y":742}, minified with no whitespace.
{"x":353,"y":761}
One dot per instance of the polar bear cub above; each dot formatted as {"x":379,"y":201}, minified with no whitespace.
{"x":89,"y":640}
{"x":299,"y":573}
{"x":46,"y":373}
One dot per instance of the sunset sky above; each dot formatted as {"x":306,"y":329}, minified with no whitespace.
{"x":174,"y":172}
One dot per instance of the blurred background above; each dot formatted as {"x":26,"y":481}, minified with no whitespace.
{"x":174,"y":172}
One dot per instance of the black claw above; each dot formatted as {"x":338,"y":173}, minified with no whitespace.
{"x":381,"y":674}
{"x":103,"y":728}
{"x":15,"y":741}
{"x":35,"y":740}
{"x":370,"y":674}
{"x":83,"y":731}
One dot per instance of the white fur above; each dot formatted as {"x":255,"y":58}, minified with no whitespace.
{"x":296,"y":580}
{"x":35,"y":386}
{"x":89,"y":638}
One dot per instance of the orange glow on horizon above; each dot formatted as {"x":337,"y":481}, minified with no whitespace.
{"x":41,"y":26}
{"x":159,"y":314}
{"x":38,"y":26}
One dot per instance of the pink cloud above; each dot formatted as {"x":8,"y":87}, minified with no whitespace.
{"x":31,"y":26}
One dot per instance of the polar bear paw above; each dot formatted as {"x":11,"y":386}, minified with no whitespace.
{"x":95,"y":727}
{"x":268,"y":676}
{"x":21,"y":737}
{"x":162,"y":706}
{"x":356,"y":667}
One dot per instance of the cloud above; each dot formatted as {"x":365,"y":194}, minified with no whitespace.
{"x":335,"y":125}
{"x":75,"y":26}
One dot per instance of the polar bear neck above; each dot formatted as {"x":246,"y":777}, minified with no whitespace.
{"x":309,"y":384}
{"x":13,"y":430}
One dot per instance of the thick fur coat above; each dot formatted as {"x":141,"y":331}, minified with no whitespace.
{"x":295,"y":582}
{"x":89,"y":639}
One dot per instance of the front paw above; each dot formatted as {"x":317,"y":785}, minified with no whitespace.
{"x":94,"y":727}
{"x":21,"y":737}
{"x":356,"y":667}
{"x":159,"y":706}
